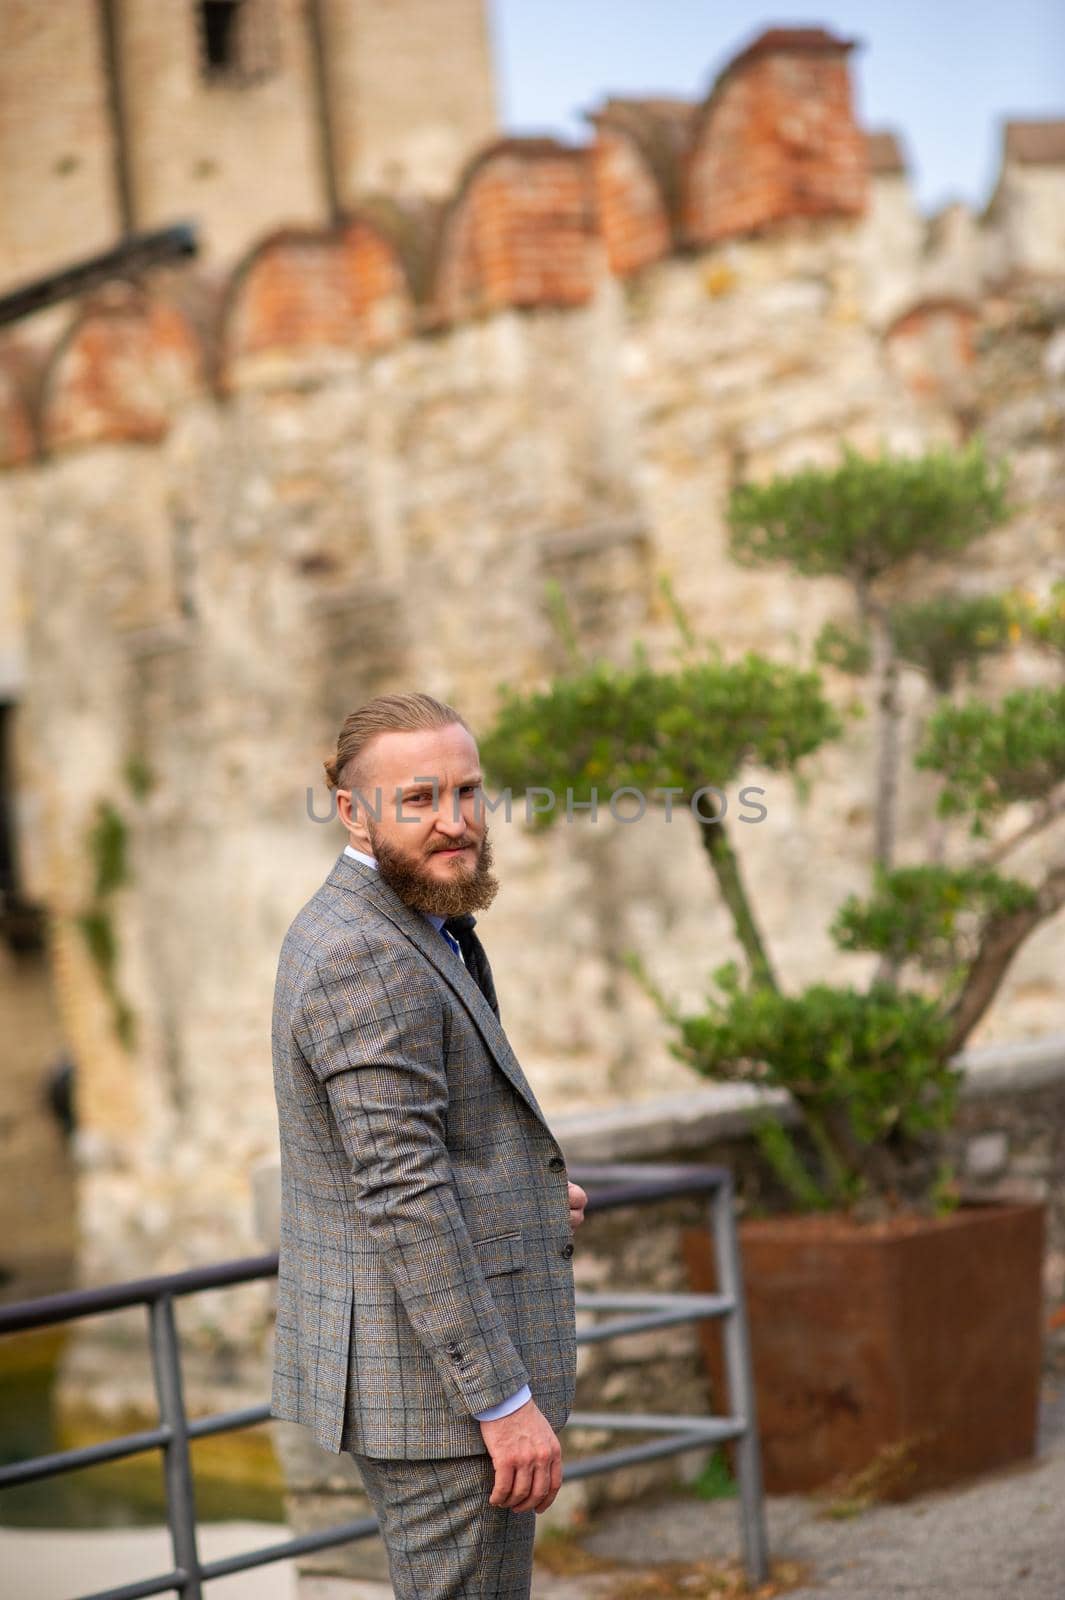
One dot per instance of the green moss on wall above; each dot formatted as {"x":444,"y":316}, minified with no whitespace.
{"x":107,"y":841}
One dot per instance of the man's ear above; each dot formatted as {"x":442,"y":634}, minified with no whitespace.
{"x":353,"y":821}
{"x":344,"y":809}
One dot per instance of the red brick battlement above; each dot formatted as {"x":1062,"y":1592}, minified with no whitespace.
{"x":532,"y":223}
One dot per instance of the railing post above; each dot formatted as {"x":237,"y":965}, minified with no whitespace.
{"x":740,"y":1381}
{"x":180,"y":1500}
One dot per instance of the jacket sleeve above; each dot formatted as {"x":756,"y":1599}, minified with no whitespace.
{"x":371,"y":1029}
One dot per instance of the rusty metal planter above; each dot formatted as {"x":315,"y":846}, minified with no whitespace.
{"x":922,"y":1333}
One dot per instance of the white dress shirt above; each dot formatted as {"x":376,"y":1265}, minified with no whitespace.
{"x":519,"y":1397}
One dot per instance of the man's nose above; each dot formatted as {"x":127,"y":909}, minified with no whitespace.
{"x":450,"y":824}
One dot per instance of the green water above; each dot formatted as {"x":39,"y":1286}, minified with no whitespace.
{"x":120,"y":1494}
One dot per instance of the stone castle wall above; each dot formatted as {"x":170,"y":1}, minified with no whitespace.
{"x":239,"y":508}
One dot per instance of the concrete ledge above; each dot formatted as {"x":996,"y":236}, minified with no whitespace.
{"x":1015,"y":1068}
{"x":700,"y":1116}
{"x":694,"y":1118}
{"x":685,"y":1121}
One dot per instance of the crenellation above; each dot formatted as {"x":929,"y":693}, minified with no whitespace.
{"x":517,"y":232}
{"x":636,"y":211}
{"x":776,"y":138}
{"x":931,"y":347}
{"x":123,"y":368}
{"x":533,"y":223}
{"x":311,"y":294}
{"x":1026,"y":216}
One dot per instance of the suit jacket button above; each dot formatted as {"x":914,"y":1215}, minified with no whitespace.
{"x":454,"y":1352}
{"x":556,"y":1163}
{"x":567,"y":1249}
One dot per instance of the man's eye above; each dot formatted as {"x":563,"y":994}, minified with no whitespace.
{"x":470,"y":788}
{"x":416,"y":799}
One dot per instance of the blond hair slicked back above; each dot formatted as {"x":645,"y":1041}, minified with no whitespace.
{"x":385,"y":713}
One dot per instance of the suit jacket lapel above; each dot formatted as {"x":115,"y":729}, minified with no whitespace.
{"x":367,"y":883}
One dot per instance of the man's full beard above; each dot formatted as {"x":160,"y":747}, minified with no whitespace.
{"x":451,"y":898}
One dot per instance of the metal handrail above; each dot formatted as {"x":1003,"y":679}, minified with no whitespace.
{"x":73,"y":1303}
{"x":609,"y":1187}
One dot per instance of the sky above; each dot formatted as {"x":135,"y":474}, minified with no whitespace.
{"x":942,"y":73}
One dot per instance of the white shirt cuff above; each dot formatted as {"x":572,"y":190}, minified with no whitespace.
{"x":505,"y":1407}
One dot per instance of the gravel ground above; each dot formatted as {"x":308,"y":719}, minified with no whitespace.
{"x":1002,"y":1537}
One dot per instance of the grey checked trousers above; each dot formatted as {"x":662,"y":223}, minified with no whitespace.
{"x":444,"y":1540}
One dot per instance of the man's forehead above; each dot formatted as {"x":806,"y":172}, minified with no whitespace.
{"x":441,"y":753}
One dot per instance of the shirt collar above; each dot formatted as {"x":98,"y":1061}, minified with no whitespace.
{"x":371,"y":861}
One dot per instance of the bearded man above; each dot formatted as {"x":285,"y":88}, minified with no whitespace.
{"x":425,"y":1299}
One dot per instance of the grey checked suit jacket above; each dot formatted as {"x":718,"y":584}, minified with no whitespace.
{"x":425,"y":1268}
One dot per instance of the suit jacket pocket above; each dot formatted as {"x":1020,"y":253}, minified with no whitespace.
{"x":501,"y":1252}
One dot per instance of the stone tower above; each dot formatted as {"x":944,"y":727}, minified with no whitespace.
{"x":411,"y":93}
{"x":238,"y":115}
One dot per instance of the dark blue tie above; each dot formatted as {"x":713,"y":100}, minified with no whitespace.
{"x":452,"y":941}
{"x":460,"y":930}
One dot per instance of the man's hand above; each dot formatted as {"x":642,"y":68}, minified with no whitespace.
{"x":577,"y":1202}
{"x":527,"y":1457}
